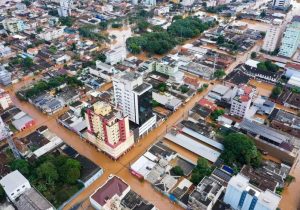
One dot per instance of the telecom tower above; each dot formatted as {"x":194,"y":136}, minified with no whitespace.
{"x":5,"y":133}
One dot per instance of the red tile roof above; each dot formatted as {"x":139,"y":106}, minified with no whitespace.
{"x":208,"y":104}
{"x":112,"y":187}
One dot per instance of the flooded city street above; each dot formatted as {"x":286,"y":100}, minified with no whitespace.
{"x":119,"y":167}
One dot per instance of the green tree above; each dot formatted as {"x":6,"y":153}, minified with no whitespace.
{"x":220,"y":40}
{"x":202,"y":169}
{"x":27,"y":2}
{"x":215,"y":114}
{"x":289,"y":179}
{"x":27,"y":62}
{"x":240,"y":149}
{"x":2,"y":194}
{"x":263,"y":14}
{"x":253,"y":55}
{"x":277,"y":90}
{"x":142,"y":26}
{"x":48,"y":171}
{"x":101,"y":57}
{"x":103,"y":25}
{"x":21,"y":165}
{"x":70,"y":171}
{"x":220,"y":73}
{"x":177,"y":170}
{"x":53,"y":49}
{"x":66,"y":21}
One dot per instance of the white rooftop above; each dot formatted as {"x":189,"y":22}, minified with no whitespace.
{"x":294,"y":81}
{"x":252,"y":63}
{"x":12,"y":181}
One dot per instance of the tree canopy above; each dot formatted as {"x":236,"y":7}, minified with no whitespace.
{"x":202,"y":169}
{"x":240,"y":149}
{"x":21,"y":165}
{"x":219,"y":73}
{"x":267,"y":66}
{"x":177,"y":170}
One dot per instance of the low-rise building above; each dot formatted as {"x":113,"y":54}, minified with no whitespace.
{"x":13,"y":25}
{"x":5,"y":100}
{"x":5,"y":76}
{"x":115,"y":55}
{"x":205,"y":194}
{"x":51,"y":33}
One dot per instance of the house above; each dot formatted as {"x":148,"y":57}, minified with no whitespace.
{"x":292,"y":69}
{"x":22,"y":121}
{"x":115,"y":55}
{"x":205,"y":194}
{"x":14,"y":184}
{"x":5,"y":100}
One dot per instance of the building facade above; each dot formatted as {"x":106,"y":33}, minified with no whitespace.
{"x":133,"y":97}
{"x":240,"y":103}
{"x":13,"y":25}
{"x":65,"y":8}
{"x":108,"y":130}
{"x":5,"y":76}
{"x":5,"y":100}
{"x":281,"y":4}
{"x":272,"y":38}
{"x":290,"y":40}
{"x":116,"y":55}
{"x":241,"y":195}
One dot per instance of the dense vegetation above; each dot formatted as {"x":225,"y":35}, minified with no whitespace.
{"x":177,"y":171}
{"x":267,"y":66}
{"x":239,"y":150}
{"x":277,"y":90}
{"x":52,"y":83}
{"x":202,"y":169}
{"x":66,"y":21}
{"x":54,"y":176}
{"x":217,"y":113}
{"x":160,"y":41}
{"x":90,"y":32}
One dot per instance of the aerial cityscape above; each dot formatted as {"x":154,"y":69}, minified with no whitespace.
{"x":149,"y":104}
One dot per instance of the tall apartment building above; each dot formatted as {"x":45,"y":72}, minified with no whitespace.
{"x":241,"y":101}
{"x":5,"y":100}
{"x":281,"y":4}
{"x":272,"y":37}
{"x":133,"y":97}
{"x":109,"y":130}
{"x":291,"y":40}
{"x":241,"y":195}
{"x":65,"y":7}
{"x":5,"y":76}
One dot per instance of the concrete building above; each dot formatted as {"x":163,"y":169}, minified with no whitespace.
{"x":133,"y":97}
{"x":241,"y":195}
{"x":14,"y":184}
{"x":5,"y":100}
{"x":5,"y":51}
{"x":116,"y":55}
{"x":5,"y":76}
{"x":205,"y":194}
{"x":281,"y":4}
{"x":2,"y":132}
{"x":291,"y":40}
{"x":272,"y":37}
{"x":169,"y":67}
{"x":109,"y":130}
{"x":65,"y":7}
{"x":240,"y":103}
{"x":13,"y":25}
{"x":51,"y":33}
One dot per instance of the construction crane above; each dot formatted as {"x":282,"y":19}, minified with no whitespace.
{"x":5,"y":133}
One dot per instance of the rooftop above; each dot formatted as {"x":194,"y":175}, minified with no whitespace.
{"x":12,"y":181}
{"x":114,"y":186}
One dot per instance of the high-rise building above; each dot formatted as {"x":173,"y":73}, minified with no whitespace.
{"x":240,"y":103}
{"x":291,"y":40}
{"x":109,"y":130}
{"x":272,"y":37}
{"x":133,"y":97}
{"x":281,"y":4}
{"x":65,"y":7}
{"x":5,"y":76}
{"x":241,"y":195}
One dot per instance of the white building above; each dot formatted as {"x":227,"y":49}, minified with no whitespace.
{"x":170,"y":67}
{"x":240,"y":103}
{"x":291,"y":40}
{"x":281,"y":4}
{"x":241,"y":195}
{"x":5,"y":51}
{"x":51,"y":33}
{"x":187,"y":2}
{"x":14,"y":184}
{"x":2,"y":132}
{"x":133,"y":97}
{"x":272,"y":38}
{"x":13,"y":25}
{"x":65,"y":8}
{"x":5,"y":76}
{"x":116,"y":55}
{"x":5,"y":100}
